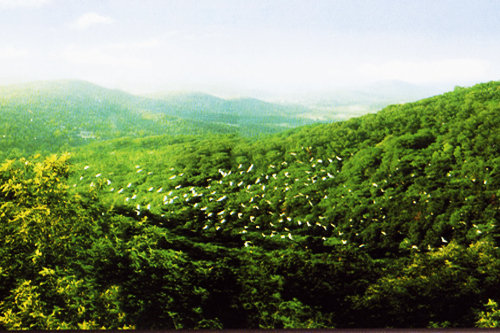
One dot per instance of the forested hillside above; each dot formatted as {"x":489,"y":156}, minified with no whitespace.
{"x":386,"y":220}
{"x":53,"y":116}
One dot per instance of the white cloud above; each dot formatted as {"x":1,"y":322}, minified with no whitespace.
{"x":89,"y":19}
{"x":10,"y":51}
{"x":96,"y":56}
{"x":426,"y":72}
{"x":7,"y":4}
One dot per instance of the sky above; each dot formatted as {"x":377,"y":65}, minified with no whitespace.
{"x":144,"y":46}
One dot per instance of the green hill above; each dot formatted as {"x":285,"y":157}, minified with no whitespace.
{"x":56,"y":115}
{"x":386,"y":220}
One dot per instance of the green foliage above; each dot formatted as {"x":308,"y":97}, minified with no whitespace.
{"x":387,"y":220}
{"x":491,"y":317}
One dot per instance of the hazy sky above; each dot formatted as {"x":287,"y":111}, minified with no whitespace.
{"x":275,"y":45}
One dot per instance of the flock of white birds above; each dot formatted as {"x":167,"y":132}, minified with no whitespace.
{"x":236,"y":199}
{"x":243,"y":200}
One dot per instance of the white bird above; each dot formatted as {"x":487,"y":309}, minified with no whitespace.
{"x":250,"y":168}
{"x":160,"y":189}
{"x":444,"y":240}
{"x":338,"y":158}
{"x":221,"y":198}
{"x":134,"y":196}
{"x":98,"y":175}
{"x":139,"y":170}
{"x":149,"y":206}
{"x":81,"y":177}
{"x":120,"y":191}
{"x":129,"y":184}
{"x":138,"y":207}
{"x":247,"y":243}
{"x":88,"y":166}
{"x":109,"y":182}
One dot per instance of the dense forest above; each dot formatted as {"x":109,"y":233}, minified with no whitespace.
{"x":385,"y":220}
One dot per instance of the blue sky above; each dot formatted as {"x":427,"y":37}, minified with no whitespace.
{"x":277,"y":46}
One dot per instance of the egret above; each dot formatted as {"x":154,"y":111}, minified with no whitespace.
{"x":150,"y":189}
{"x":444,"y":240}
{"x":98,"y":175}
{"x":129,"y":184}
{"x":120,"y":191}
{"x":160,"y":189}
{"x":173,"y":177}
{"x":250,"y":168}
{"x":88,"y":166}
{"x":139,"y":170}
{"x":109,"y":182}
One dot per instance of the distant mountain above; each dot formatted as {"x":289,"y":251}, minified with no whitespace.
{"x":45,"y":116}
{"x":349,"y":102}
